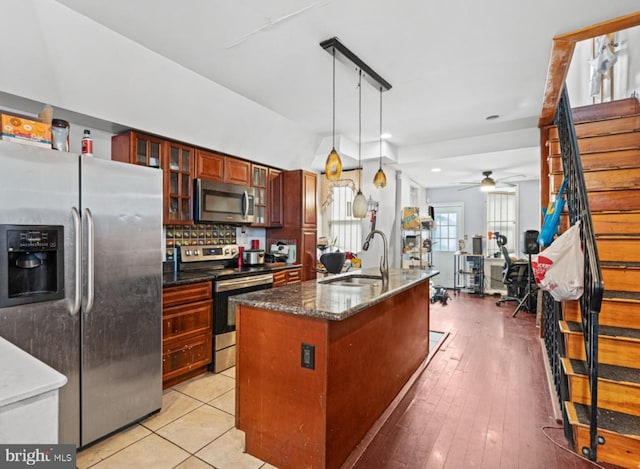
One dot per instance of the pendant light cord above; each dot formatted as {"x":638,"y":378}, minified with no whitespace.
{"x":334,"y":97}
{"x":380,"y":128}
{"x":359,"y":127}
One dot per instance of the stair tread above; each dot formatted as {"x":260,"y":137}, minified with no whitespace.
{"x":618,"y":422}
{"x":610,"y":372}
{"x":621,"y":295}
{"x":610,"y":331}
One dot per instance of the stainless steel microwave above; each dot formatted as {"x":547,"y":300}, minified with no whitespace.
{"x":223,"y":203}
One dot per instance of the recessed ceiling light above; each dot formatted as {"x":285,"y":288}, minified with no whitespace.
{"x":492,"y":117}
{"x":436,"y":170}
{"x":386,"y":135}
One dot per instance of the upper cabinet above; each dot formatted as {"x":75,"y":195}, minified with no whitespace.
{"x":275,"y":210}
{"x":259,"y":183}
{"x":178,"y":179}
{"x":209,"y":165}
{"x":177,"y":162}
{"x":133,"y":147}
{"x":237,"y":171}
{"x":300,"y":202}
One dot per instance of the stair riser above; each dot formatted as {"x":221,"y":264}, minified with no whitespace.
{"x":610,"y":351}
{"x":627,"y":140}
{"x":619,"y":249}
{"x":612,"y":313}
{"x":613,"y":396}
{"x":621,"y":124}
{"x":617,"y":449}
{"x":621,"y":279}
{"x":616,"y":223}
{"x":618,"y":179}
{"x":614,"y":200}
{"x":606,"y":160}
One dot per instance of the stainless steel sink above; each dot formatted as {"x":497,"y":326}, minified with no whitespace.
{"x":354,"y":280}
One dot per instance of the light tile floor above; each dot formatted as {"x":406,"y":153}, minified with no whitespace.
{"x":194,"y":430}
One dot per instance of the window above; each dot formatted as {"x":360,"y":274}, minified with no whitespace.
{"x":445,"y":237}
{"x":502,"y":213}
{"x":342,"y":226}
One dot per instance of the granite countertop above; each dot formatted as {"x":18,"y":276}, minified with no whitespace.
{"x":333,"y":301}
{"x":175,"y":278}
{"x":24,"y":376}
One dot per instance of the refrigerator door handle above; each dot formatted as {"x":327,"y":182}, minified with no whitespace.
{"x":77,"y":300}
{"x":90,"y":263}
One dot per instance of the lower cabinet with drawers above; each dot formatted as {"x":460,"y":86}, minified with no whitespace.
{"x":187,"y":331}
{"x":287,"y":277}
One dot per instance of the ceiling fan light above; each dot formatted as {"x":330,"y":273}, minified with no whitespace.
{"x":359,"y":206}
{"x":487,"y":185}
{"x":333,"y":166}
{"x":380,"y":179}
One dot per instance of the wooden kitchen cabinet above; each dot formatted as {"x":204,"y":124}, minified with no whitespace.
{"x":299,"y":218}
{"x":287,"y":277}
{"x":237,"y":171}
{"x":275,"y":215}
{"x":300,"y":203}
{"x":187,"y":331}
{"x":178,"y":175}
{"x":136,"y":148}
{"x":177,"y":162}
{"x":209,"y":165}
{"x":294,"y":276}
{"x":259,"y":182}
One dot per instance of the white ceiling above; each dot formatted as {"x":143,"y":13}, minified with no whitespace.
{"x":451,"y":64}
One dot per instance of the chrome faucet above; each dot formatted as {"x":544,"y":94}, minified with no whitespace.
{"x":384,"y":260}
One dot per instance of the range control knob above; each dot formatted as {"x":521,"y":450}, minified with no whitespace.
{"x":187,"y":253}
{"x":233,"y":250}
{"x":226,"y":251}
{"x":196,"y":252}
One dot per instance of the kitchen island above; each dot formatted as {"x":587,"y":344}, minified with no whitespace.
{"x":319,"y":362}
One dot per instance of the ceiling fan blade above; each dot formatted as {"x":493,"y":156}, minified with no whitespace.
{"x":469,"y":187}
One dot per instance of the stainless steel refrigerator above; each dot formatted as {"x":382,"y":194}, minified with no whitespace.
{"x":102,"y":325}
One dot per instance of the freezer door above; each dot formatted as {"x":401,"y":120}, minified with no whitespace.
{"x":40,"y":187}
{"x":121,"y":206}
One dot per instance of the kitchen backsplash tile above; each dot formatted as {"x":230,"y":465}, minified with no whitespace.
{"x":197,"y":235}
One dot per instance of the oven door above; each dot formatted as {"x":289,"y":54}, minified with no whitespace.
{"x":224,"y":320}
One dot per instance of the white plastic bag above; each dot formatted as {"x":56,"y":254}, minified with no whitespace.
{"x":559,"y":269}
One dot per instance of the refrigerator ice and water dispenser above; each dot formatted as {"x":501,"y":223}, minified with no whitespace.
{"x":31,"y":264}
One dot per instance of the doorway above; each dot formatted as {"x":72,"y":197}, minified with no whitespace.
{"x":449,"y":220}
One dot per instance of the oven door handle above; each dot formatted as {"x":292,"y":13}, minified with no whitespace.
{"x":77,"y":299}
{"x":237,"y":284}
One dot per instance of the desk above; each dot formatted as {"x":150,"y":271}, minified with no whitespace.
{"x":468,"y":273}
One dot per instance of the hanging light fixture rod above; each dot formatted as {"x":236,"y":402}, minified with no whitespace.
{"x":344,"y":55}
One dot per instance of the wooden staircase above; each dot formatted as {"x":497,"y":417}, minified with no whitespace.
{"x":609,"y":142}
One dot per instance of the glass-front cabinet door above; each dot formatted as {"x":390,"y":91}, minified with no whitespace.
{"x":148,"y":150}
{"x":178,"y":172}
{"x":259,"y":182}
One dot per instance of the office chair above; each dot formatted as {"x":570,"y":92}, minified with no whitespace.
{"x":514,"y":275}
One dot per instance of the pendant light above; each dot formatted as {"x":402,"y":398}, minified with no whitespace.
{"x":380,"y":179}
{"x":359,"y":205}
{"x":333,"y":165}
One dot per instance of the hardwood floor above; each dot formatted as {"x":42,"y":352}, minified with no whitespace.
{"x":481,"y":402}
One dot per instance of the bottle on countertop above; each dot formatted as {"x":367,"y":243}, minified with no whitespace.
{"x":87,"y":143}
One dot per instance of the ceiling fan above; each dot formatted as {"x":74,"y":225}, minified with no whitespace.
{"x":488,"y":184}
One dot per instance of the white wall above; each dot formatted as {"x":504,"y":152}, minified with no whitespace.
{"x":65,"y":59}
{"x":474,"y":207}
